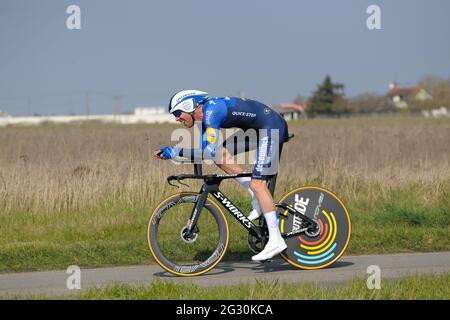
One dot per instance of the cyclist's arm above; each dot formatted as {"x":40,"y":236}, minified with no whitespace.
{"x":213,"y":116}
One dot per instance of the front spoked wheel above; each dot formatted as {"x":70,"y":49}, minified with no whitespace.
{"x":177,"y":251}
{"x":314,"y":248}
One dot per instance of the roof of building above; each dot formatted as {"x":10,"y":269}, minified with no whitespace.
{"x":397,"y":91}
{"x":289,"y":107}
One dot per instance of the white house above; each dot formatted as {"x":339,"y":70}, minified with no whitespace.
{"x":290,"y":111}
{"x":401,"y":96}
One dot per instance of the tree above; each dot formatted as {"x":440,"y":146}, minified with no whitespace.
{"x":327,"y":99}
{"x":431,"y":82}
{"x":299,"y":100}
{"x":438,"y":88}
{"x":370,"y":102}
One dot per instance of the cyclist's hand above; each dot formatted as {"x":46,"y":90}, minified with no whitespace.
{"x":165,"y":153}
{"x":157,"y":154}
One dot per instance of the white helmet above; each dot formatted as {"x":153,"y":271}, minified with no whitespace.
{"x":187,"y":100}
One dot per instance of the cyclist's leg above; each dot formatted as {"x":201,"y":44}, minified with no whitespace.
{"x":263,"y":195}
{"x":266,"y":165}
{"x":263,"y":168}
{"x":268,"y":154}
{"x":276,"y":243}
{"x":233,"y":145}
{"x":228,"y":163}
{"x":237,"y":143}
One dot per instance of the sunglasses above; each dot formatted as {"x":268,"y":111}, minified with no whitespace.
{"x":177,"y":113}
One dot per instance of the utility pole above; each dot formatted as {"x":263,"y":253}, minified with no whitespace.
{"x":88,"y":105}
{"x":117,"y":105}
{"x":29,"y":106}
{"x":70,"y":111}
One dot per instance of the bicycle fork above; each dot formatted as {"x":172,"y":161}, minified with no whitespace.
{"x":191,"y":227}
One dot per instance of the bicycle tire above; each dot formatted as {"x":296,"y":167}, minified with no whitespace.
{"x":190,"y":269}
{"x":315,"y":251}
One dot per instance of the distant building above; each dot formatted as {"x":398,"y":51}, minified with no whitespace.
{"x":400,"y":97}
{"x":141,"y":115}
{"x":149,"y":111}
{"x":290,"y":111}
{"x":436,"y":113}
{"x":3,"y":114}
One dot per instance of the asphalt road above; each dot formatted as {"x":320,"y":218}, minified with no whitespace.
{"x":392,"y":266}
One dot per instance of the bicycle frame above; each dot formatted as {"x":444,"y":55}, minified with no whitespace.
{"x":211,"y":186}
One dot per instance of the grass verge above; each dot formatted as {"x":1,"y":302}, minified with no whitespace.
{"x":409,"y":288}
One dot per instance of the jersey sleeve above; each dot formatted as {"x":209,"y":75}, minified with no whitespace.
{"x":214,"y":114}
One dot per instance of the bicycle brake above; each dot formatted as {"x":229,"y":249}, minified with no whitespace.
{"x":171,"y":178}
{"x":172,"y":184}
{"x":184,"y":184}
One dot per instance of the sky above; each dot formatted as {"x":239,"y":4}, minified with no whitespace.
{"x":140,"y":52}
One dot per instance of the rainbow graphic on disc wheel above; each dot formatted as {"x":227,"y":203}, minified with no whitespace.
{"x":322,"y":252}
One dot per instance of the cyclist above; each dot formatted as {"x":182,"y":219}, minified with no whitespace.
{"x":189,"y":106}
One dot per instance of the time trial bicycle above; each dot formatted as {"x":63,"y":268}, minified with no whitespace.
{"x":188,"y":233}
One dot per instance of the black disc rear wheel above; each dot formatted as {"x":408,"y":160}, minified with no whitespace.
{"x":314,"y":248}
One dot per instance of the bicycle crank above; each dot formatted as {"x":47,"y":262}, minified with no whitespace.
{"x":255,"y":243}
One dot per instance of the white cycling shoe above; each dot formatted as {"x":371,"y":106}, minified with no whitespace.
{"x":271,"y":250}
{"x":253,"y":215}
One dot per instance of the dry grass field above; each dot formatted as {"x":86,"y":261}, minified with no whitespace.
{"x":81,"y":194}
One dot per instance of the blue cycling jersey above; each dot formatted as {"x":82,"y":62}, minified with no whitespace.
{"x":229,"y":112}
{"x":232,"y":112}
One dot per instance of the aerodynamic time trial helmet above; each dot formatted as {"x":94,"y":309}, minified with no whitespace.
{"x":187,"y":101}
